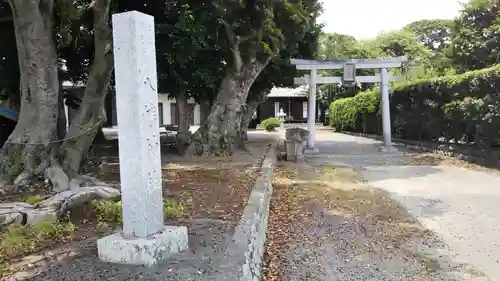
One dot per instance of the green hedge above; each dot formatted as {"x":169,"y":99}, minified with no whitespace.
{"x":358,"y":113}
{"x":459,"y":107}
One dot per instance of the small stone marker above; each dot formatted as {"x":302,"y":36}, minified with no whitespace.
{"x":296,"y":139}
{"x":144,"y":240}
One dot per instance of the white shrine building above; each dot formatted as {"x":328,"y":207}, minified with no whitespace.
{"x":167,"y":107}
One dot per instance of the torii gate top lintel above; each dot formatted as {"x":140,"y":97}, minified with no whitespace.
{"x":349,"y":67}
{"x":302,"y":64}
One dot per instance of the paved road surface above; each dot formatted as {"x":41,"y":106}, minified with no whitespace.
{"x":461,"y":206}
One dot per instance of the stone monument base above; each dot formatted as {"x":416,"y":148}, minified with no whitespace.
{"x":391,"y":148}
{"x":309,"y":151}
{"x":149,"y":251}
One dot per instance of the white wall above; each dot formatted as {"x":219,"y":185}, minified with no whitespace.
{"x":166,"y":101}
{"x":276,"y":108}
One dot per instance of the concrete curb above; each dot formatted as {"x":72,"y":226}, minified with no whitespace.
{"x":243,"y":257}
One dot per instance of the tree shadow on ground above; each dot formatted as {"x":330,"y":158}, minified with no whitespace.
{"x":366,"y":156}
{"x":489,"y":159}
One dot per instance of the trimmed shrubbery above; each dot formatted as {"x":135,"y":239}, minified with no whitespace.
{"x":270,"y":124}
{"x":358,"y":113}
{"x":460,"y":107}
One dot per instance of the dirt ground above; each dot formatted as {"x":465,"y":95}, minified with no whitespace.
{"x":208,"y":189}
{"x":332,"y":219}
{"x":327,"y":224}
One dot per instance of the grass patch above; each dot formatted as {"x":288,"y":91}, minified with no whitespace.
{"x":33,"y":199}
{"x":342,"y":191}
{"x":172,"y":210}
{"x":110,"y":212}
{"x":18,"y":240}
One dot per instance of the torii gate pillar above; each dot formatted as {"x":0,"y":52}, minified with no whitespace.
{"x":386,"y":115}
{"x":311,"y":114}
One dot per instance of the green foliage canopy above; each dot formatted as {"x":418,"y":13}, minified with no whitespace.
{"x":476,"y":36}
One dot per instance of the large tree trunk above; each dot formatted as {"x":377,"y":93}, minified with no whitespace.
{"x":91,"y":113}
{"x":246,"y":119}
{"x":61,"y":121}
{"x":183,"y":134}
{"x":204,"y":109}
{"x":36,"y":131}
{"x":218,"y":135}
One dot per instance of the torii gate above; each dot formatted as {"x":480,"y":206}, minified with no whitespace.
{"x":349,"y":76}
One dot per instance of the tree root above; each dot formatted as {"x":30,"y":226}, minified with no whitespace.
{"x":25,"y":176}
{"x":57,"y":177}
{"x":3,"y":186}
{"x":204,"y":143}
{"x":54,"y":207}
{"x":22,"y":179}
{"x":53,"y":172}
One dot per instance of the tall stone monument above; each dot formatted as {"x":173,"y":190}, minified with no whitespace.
{"x":144,"y":239}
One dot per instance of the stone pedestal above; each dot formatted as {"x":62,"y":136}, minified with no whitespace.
{"x":389,"y":148}
{"x":144,"y":240}
{"x":290,"y":150}
{"x":294,"y":150}
{"x":310,"y":151}
{"x":147,"y":251}
{"x":296,"y":140}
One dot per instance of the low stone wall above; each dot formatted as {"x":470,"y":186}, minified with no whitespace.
{"x":243,"y":257}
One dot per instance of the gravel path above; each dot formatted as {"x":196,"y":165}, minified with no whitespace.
{"x":207,"y":241}
{"x":462,"y":206}
{"x":405,"y":223}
